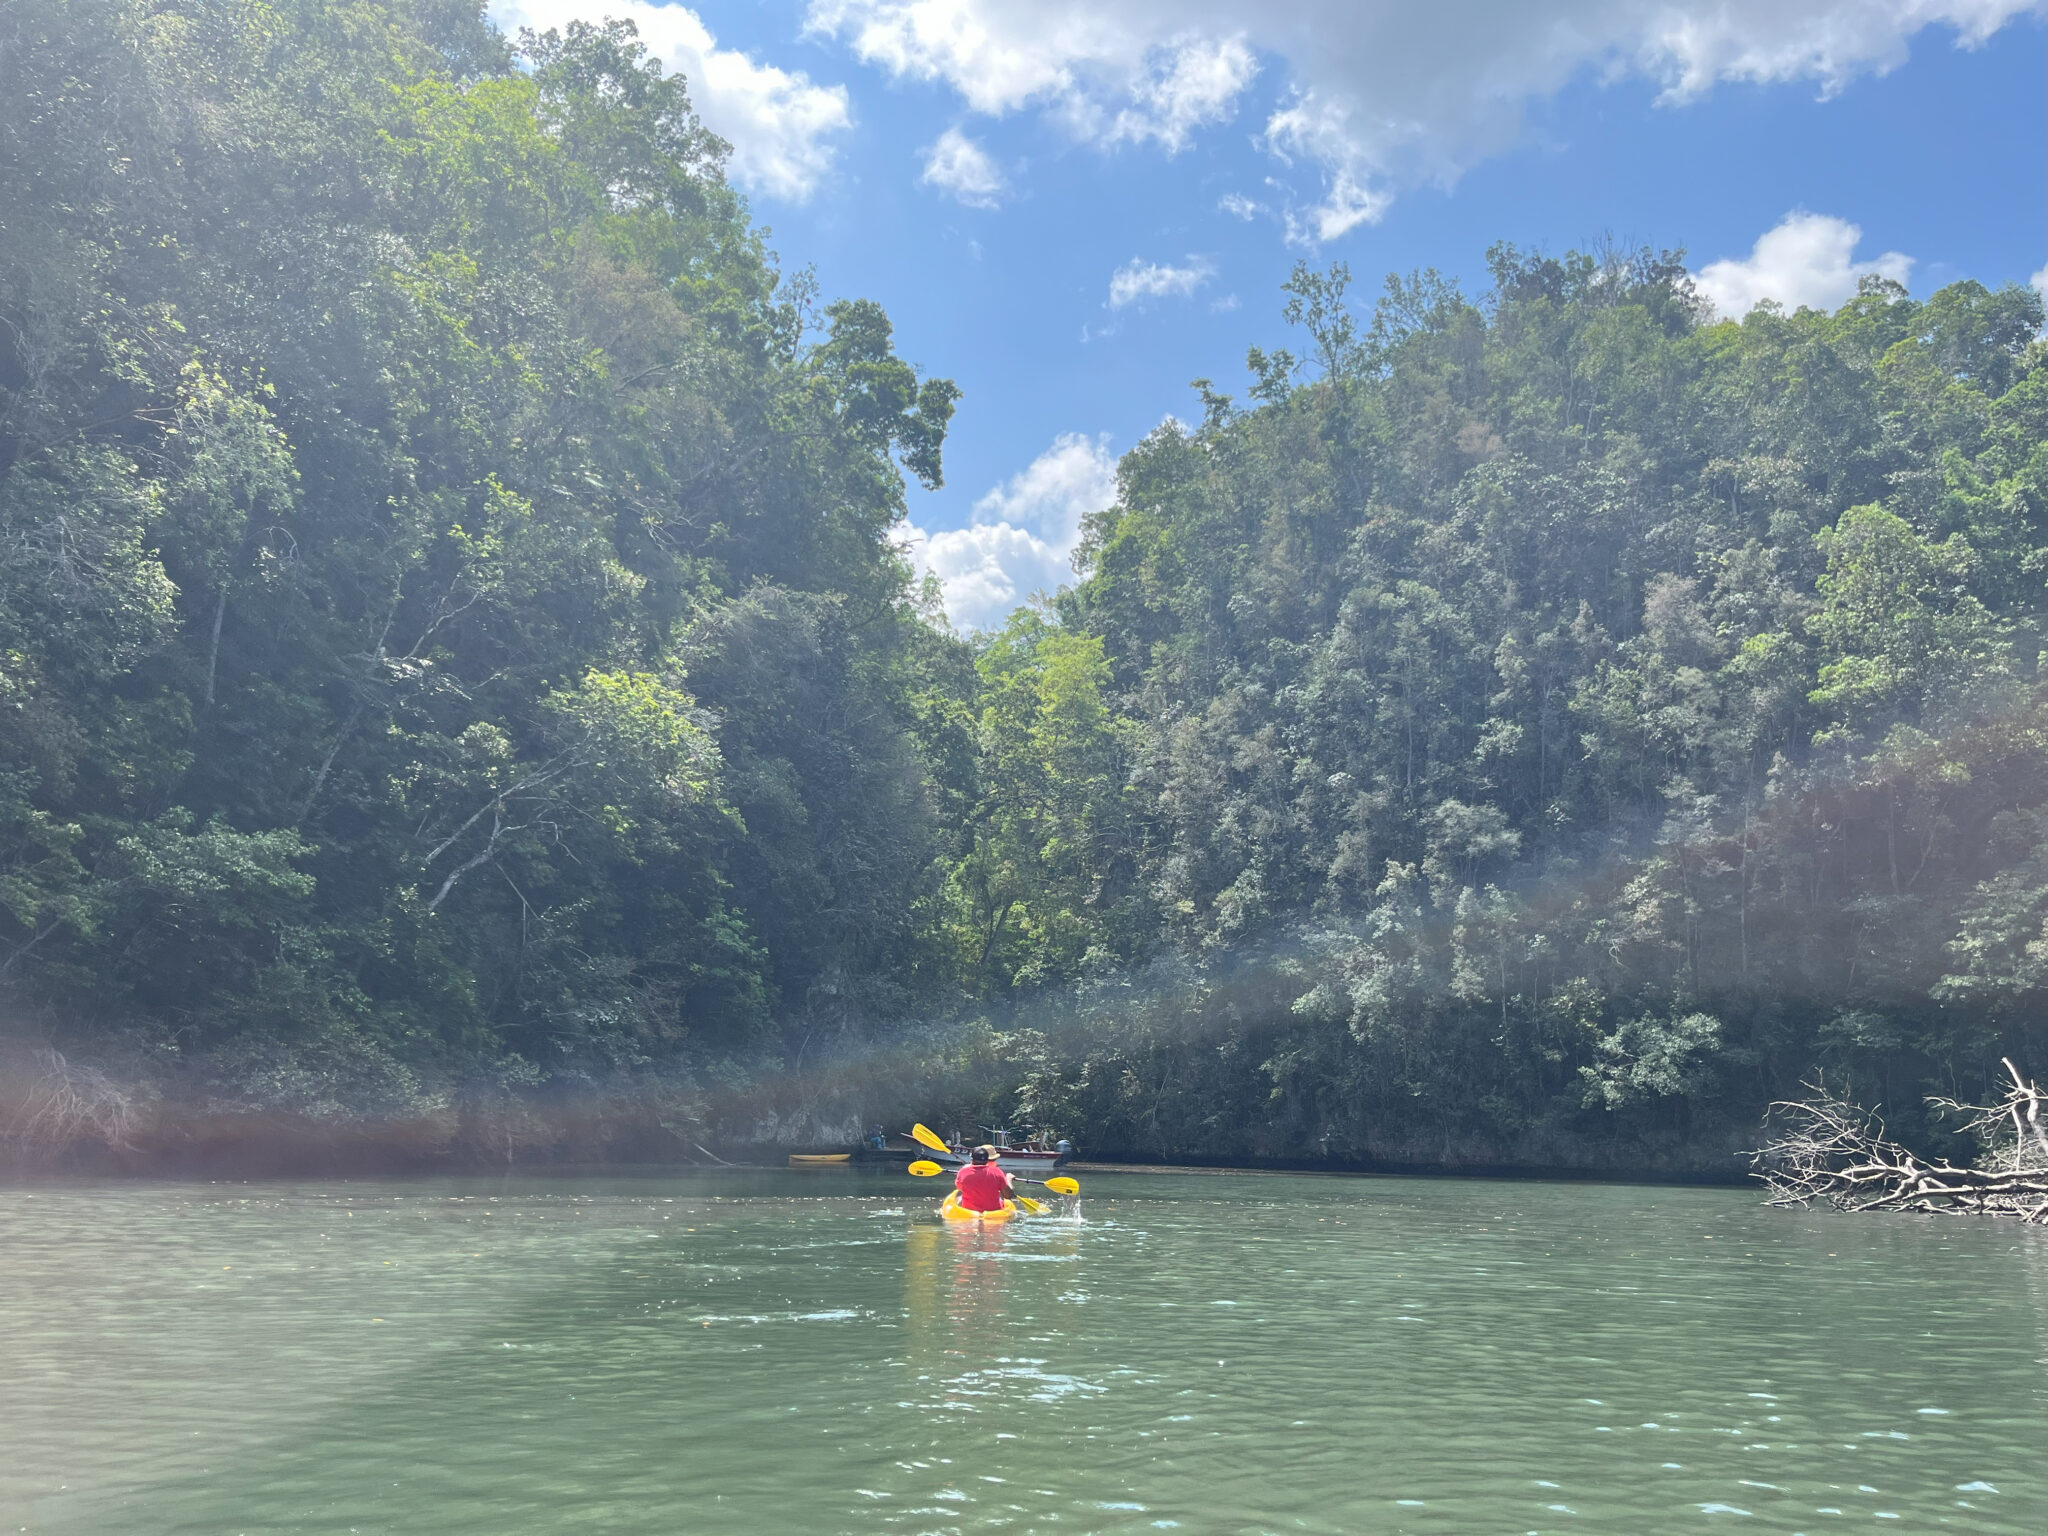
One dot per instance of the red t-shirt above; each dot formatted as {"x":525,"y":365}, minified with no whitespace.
{"x":982,"y":1186}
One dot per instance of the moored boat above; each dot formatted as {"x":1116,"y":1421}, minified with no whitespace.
{"x":820,"y":1159}
{"x":1030,"y":1153}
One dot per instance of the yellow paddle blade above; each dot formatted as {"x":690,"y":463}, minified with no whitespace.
{"x":923,"y":1136}
{"x":1035,"y":1207}
{"x":1063,"y":1186}
{"x":926,"y":1170}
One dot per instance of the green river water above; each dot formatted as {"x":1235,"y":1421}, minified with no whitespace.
{"x":815,"y":1352}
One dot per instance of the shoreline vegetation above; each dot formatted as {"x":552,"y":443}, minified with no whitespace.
{"x":58,"y":1118}
{"x":462,"y":695}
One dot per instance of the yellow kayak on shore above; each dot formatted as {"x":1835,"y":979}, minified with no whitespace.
{"x":953,"y":1210}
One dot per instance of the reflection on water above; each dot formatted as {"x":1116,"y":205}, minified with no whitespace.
{"x":818,"y":1353}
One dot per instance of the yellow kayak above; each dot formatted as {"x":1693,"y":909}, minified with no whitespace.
{"x":820,"y":1159}
{"x":953,"y":1210}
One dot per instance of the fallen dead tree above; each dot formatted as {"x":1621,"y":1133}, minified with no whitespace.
{"x":48,"y":1103}
{"x":1828,"y":1149}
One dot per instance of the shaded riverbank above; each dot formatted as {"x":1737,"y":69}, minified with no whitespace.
{"x":268,"y":1145}
{"x":60,"y":1116}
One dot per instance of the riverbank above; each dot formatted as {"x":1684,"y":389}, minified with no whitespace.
{"x":263,"y":1145}
{"x":60,"y":1116}
{"x":1736,"y":1175}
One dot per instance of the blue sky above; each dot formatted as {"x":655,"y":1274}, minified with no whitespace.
{"x":1074,"y":208}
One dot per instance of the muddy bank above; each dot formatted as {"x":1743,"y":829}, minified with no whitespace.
{"x":63,"y":1117}
{"x":267,"y":1144}
{"x":168,"y":1142}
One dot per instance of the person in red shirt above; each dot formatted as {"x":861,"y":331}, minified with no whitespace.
{"x":982,"y":1185}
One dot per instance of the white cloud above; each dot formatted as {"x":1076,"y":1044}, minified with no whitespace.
{"x":958,"y":165}
{"x":1192,"y":82}
{"x":1320,"y":129}
{"x":985,"y":572}
{"x":1807,"y":259}
{"x":1238,"y":206}
{"x":1137,"y":279}
{"x":1056,"y":490}
{"x":1023,"y":535}
{"x":1380,"y":92}
{"x":780,"y":124}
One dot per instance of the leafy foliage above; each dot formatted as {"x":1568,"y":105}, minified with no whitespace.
{"x":451,"y":648}
{"x":448,"y":623}
{"x":1594,"y":717}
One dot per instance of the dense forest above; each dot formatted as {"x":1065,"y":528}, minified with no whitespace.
{"x":456,"y":657}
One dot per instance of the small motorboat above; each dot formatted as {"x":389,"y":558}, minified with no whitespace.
{"x":1029,"y":1153}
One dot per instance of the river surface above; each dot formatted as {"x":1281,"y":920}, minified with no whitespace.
{"x":769,"y":1352}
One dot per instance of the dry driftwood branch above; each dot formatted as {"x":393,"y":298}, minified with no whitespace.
{"x":2018,"y":1116}
{"x":1828,"y":1149}
{"x":55,"y":1102}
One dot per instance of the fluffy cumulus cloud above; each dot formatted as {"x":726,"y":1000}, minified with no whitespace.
{"x":1114,"y":70}
{"x":1807,"y":260}
{"x":961,"y":168}
{"x":780,"y":123}
{"x":1320,"y":129}
{"x":1377,"y":92}
{"x":1181,"y":87}
{"x":1023,"y":535}
{"x":1137,"y":280}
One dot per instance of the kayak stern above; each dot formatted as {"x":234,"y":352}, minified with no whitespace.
{"x":953,"y":1210}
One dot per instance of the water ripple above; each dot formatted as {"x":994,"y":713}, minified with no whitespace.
{"x":743,"y":1353}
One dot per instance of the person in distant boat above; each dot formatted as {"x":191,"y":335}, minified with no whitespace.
{"x":982,"y":1185}
{"x":1066,"y":1152}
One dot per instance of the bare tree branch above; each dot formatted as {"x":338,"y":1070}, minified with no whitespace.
{"x":1832,"y":1150}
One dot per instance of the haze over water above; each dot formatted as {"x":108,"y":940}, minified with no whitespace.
{"x":1240,"y":1353}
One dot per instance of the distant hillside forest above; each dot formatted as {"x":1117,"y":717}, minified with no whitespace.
{"x":455,"y":650}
